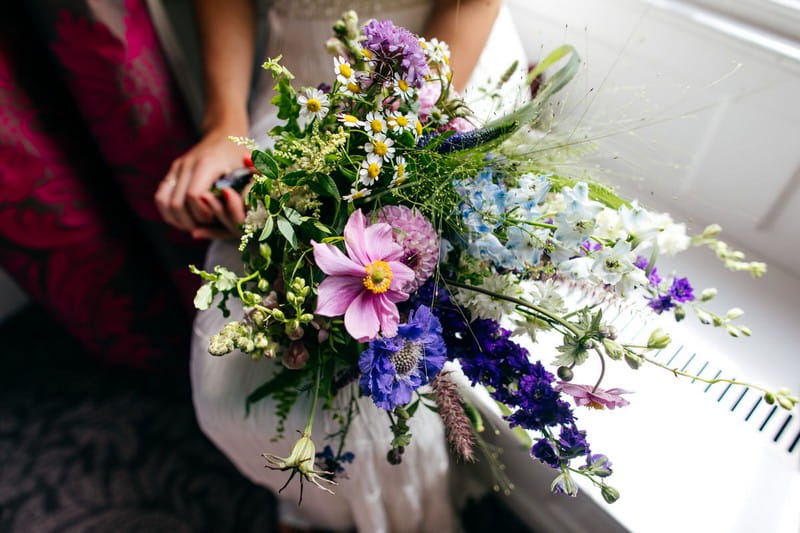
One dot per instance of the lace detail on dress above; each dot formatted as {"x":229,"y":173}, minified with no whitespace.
{"x":334,"y":8}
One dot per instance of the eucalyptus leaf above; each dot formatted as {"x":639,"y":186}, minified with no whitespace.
{"x":286,"y":229}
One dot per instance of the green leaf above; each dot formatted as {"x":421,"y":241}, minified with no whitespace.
{"x":293,"y":177}
{"x":322,"y":227}
{"x":286,"y":229}
{"x":269,"y":225}
{"x":202,"y":273}
{"x":292,"y":216}
{"x":324,"y":185}
{"x":227,"y":280}
{"x":265,"y":164}
{"x":204,"y":296}
{"x":411,"y":409}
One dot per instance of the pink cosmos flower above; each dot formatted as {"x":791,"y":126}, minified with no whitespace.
{"x":366,"y":284}
{"x":599,"y":399}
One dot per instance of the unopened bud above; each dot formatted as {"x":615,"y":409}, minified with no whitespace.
{"x":610,"y":494}
{"x":395,"y":456}
{"x":263,"y":285}
{"x":565,"y":373}
{"x":295,"y":356}
{"x":658,"y":340}
{"x":220,"y":345}
{"x":769,"y":398}
{"x":708,"y":294}
{"x":679,"y":313}
{"x":278,"y":315}
{"x":712,"y":231}
{"x":613,"y":349}
{"x":295,"y":334}
{"x":633,"y":360}
{"x":306,"y":317}
{"x":265,"y":251}
{"x":734,"y":313}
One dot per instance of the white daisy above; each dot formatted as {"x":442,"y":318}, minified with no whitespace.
{"x":344,"y":70}
{"x":370,"y":169}
{"x":397,"y":121}
{"x":351,"y":88}
{"x":375,"y":123}
{"x":313,"y":105}
{"x":350,"y":120}
{"x":400,"y":174}
{"x":355,"y":194}
{"x":380,"y":146}
{"x":402,"y":88}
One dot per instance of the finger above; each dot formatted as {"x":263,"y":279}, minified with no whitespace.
{"x":177,"y":202}
{"x":234,"y":210}
{"x":202,"y":179}
{"x":211,"y":233}
{"x":163,"y":194}
{"x":222,"y":214}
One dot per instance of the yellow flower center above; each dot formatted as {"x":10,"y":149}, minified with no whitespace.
{"x":350,"y":119}
{"x":401,"y":170}
{"x":345,"y":70}
{"x":373,"y":170}
{"x":401,"y":121}
{"x":376,"y":125}
{"x":449,"y":75}
{"x":379,"y":276}
{"x":595,"y":405}
{"x":380,"y":148}
{"x":418,"y":127}
{"x":403,"y":85}
{"x":446,"y":60}
{"x":353,"y":87}
{"x":313,"y":105}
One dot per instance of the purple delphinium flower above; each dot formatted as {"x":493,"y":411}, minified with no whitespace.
{"x":540,"y":405}
{"x":653,"y":277}
{"x":328,"y":462}
{"x":641,"y":262}
{"x":395,"y":49}
{"x":393,"y":368}
{"x":545,"y":452}
{"x":661,"y":303}
{"x":681,"y":290}
{"x":572,"y":442}
{"x":599,"y":465}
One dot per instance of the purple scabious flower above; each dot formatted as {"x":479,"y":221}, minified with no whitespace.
{"x":416,"y":235}
{"x":393,"y":368}
{"x":681,"y":290}
{"x":395,"y":49}
{"x":545,"y":452}
{"x":660,"y":303}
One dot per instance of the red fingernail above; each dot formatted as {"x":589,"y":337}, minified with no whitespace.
{"x":205,"y":201}
{"x":247,"y":161}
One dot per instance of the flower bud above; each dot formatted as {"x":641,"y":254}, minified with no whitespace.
{"x":708,"y":294}
{"x":734,"y":313}
{"x":220,"y":345}
{"x":679,"y":313}
{"x":250,"y":298}
{"x":258,"y":317}
{"x":633,"y":360}
{"x":610,"y":494}
{"x":612,"y":333}
{"x":703,"y":316}
{"x":294,"y":334}
{"x":613,"y":349}
{"x":265,"y":251}
{"x":291,"y":298}
{"x":712,"y":231}
{"x":261,"y":340}
{"x":295,"y":356}
{"x":306,"y":317}
{"x":769,"y":398}
{"x":744,"y":330}
{"x":263,"y":285}
{"x":350,"y":19}
{"x":278,"y":315}
{"x":565,"y":373}
{"x":658,"y":340}
{"x":395,"y":456}
{"x":335,"y":47}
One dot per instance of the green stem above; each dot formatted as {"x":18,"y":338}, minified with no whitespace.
{"x":243,"y":281}
{"x":317,"y":379}
{"x":677,"y":372}
{"x":542,"y":311}
{"x":602,"y":370}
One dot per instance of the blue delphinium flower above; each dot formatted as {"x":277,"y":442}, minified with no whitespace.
{"x":660,"y":303}
{"x":393,"y":368}
{"x":327,"y":461}
{"x":681,"y":290}
{"x":545,"y":452}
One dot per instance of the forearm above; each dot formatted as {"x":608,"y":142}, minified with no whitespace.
{"x":227,"y":31}
{"x":465,"y":26}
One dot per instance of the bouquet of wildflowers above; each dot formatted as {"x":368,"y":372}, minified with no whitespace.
{"x":389,"y":233}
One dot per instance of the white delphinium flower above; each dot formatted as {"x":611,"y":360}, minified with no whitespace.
{"x":614,"y":266}
{"x":638,"y":222}
{"x":370,"y":169}
{"x":576,"y":222}
{"x":314,"y":104}
{"x":484,"y":306}
{"x":673,"y":238}
{"x":543,"y":294}
{"x":608,"y":225}
{"x":381,"y":146}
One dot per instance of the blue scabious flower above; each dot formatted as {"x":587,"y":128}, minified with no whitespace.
{"x":393,"y":368}
{"x":394,"y":49}
{"x":681,"y":290}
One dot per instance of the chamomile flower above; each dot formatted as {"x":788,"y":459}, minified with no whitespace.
{"x":370,"y":169}
{"x":402,"y":87}
{"x":375,"y":123}
{"x":351,"y":88}
{"x":399,"y":122}
{"x":344,"y":70}
{"x":381,"y":146}
{"x":313,"y":105}
{"x":350,"y":120}
{"x":400,"y":174}
{"x":356,"y":194}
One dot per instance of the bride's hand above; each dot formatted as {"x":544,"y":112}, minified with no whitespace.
{"x":184,"y":196}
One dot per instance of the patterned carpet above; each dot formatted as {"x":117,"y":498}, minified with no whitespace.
{"x":84,"y":449}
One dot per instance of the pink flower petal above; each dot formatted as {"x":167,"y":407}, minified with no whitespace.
{"x":333,"y":262}
{"x":396,"y":296}
{"x":361,"y":318}
{"x":388,"y":315}
{"x":354,"y":238}
{"x":379,"y":243}
{"x":336,"y":293}
{"x":402,"y":275}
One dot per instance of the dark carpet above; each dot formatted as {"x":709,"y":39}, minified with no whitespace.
{"x":88,"y":449}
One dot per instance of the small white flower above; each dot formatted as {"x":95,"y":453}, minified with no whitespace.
{"x":351,"y":88}
{"x":355,"y":194}
{"x":397,"y":121}
{"x":344,"y":70}
{"x":400,"y":174}
{"x":380,"y":146}
{"x":350,"y":120}
{"x":402,"y":88}
{"x":375,"y":123}
{"x":370,"y":169}
{"x":314,"y":104}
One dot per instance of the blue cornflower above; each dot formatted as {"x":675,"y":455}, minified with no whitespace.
{"x":681,"y":290}
{"x":393,"y":368}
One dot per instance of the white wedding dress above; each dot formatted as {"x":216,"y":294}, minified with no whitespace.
{"x":415,"y":496}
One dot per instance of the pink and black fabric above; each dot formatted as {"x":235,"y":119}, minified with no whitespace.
{"x":89,"y":123}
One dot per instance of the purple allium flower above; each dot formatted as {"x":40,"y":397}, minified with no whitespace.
{"x":393,"y":368}
{"x":661,"y":303}
{"x":587,"y":395}
{"x":681,"y":290}
{"x":416,"y":235}
{"x":545,"y":452}
{"x":395,"y":49}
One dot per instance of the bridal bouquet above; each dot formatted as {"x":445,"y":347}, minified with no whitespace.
{"x":389,"y":233}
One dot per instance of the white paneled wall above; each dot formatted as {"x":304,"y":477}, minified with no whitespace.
{"x":697,"y":113}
